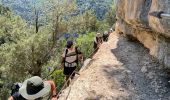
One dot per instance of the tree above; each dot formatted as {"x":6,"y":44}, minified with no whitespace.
{"x":111,"y":15}
{"x":60,"y":11}
{"x":84,"y":22}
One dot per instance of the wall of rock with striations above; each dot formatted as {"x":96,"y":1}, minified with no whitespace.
{"x":134,"y":19}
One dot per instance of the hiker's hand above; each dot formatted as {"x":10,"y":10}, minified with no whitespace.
{"x":54,"y":98}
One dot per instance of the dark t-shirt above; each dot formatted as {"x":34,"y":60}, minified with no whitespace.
{"x":17,"y":96}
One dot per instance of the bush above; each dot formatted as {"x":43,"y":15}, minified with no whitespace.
{"x":58,"y":78}
{"x":85,"y":43}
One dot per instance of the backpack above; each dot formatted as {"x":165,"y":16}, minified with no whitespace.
{"x":15,"y":88}
{"x":76,"y":51}
{"x":95,"y":42}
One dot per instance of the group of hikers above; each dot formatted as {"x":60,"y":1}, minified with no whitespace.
{"x":35,"y":88}
{"x":100,"y":38}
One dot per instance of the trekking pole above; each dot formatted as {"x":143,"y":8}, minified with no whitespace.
{"x":65,"y":84}
{"x":160,"y":14}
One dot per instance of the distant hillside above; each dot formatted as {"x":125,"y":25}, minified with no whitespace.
{"x":99,"y":6}
{"x":25,"y":8}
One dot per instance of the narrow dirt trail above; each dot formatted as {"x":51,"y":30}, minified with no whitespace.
{"x":120,"y":70}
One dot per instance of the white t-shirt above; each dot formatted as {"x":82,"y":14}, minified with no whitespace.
{"x":70,"y":59}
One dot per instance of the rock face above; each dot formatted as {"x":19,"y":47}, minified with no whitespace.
{"x":133,"y":19}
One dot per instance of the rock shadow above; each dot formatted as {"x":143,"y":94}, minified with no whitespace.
{"x":141,"y":74}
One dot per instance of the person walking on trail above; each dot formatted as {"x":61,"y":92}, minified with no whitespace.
{"x":35,"y":88}
{"x":111,"y":31}
{"x":105,"y":36}
{"x":98,"y":40}
{"x":70,"y":58}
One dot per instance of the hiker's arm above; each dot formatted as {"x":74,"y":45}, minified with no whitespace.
{"x":11,"y":98}
{"x":53,"y":90}
{"x":80,"y":54}
{"x":63,"y":58}
{"x":14,"y":96}
{"x":81,"y":57}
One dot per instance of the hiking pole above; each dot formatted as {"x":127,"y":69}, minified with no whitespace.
{"x":65,"y":84}
{"x":160,"y":14}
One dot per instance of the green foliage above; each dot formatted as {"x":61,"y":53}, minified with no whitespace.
{"x":85,"y":22}
{"x":4,"y":10}
{"x":102,"y":26}
{"x":111,"y":15}
{"x":24,"y":8}
{"x":58,"y":77}
{"x":22,"y":50}
{"x":85,"y":43}
{"x":24,"y":53}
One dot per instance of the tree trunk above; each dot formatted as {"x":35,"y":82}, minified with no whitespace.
{"x":36,"y":21}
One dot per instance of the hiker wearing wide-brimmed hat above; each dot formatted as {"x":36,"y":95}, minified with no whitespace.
{"x":35,"y":88}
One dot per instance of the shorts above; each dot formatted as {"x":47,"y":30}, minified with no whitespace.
{"x":69,"y":70}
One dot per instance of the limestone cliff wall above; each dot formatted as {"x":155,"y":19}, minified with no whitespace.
{"x":133,"y":19}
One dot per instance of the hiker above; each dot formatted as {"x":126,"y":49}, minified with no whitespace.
{"x":110,"y":31}
{"x":70,"y":58}
{"x":98,"y":40}
{"x":105,"y":36}
{"x":35,"y":88}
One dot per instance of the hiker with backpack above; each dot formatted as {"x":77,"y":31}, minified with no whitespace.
{"x":35,"y":88}
{"x":98,"y":40}
{"x":110,"y":31}
{"x":70,"y":58}
{"x":105,"y":36}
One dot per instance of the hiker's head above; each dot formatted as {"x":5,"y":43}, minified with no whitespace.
{"x":105,"y":32}
{"x":34,"y":88}
{"x":111,"y":30}
{"x":69,"y":44}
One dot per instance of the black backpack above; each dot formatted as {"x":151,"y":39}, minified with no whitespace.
{"x":95,"y":43}
{"x":15,"y":88}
